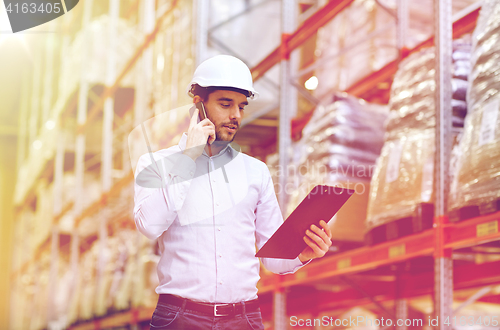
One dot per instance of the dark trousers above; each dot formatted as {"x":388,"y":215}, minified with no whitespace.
{"x":168,"y":316}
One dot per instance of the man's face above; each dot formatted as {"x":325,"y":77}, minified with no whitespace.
{"x":225,"y":110}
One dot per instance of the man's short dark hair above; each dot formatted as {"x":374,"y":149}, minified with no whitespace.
{"x":204,"y":92}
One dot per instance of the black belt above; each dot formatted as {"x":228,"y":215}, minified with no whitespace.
{"x":209,"y":308}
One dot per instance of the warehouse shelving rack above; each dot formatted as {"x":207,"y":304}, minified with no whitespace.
{"x":52,"y":162}
{"x":472,"y":232}
{"x":422,"y":245}
{"x":437,"y":243}
{"x":444,"y":237}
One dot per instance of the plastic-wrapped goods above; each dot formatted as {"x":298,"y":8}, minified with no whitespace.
{"x":403,"y":178}
{"x":25,"y":248}
{"x":128,"y":280}
{"x":145,"y":278}
{"x":123,"y":288}
{"x":121,"y":256}
{"x":38,"y":316}
{"x":341,"y":138}
{"x":347,"y":121}
{"x":477,"y":180}
{"x":348,"y":30}
{"x":412,"y":100}
{"x":108,"y":255}
{"x":88,"y":283}
{"x":43,"y":213}
{"x":25,"y":300}
{"x":340,"y":145}
{"x":122,"y":297}
{"x":62,"y":296}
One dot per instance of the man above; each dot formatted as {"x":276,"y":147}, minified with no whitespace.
{"x":214,"y":206}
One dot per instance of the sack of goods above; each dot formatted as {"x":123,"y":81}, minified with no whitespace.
{"x":475,"y":187}
{"x":401,"y":195}
{"x":339,"y":147}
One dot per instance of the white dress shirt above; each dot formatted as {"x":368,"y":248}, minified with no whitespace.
{"x":208,"y":216}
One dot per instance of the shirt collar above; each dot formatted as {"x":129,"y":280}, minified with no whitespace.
{"x":183,"y":141}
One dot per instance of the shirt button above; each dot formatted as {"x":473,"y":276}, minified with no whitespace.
{"x":220,"y":255}
{"x":191,"y":172}
{"x":220,"y":282}
{"x":217,"y":203}
{"x":218,"y":228}
{"x":213,"y":180}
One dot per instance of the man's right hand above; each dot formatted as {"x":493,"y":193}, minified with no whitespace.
{"x":198,"y":135}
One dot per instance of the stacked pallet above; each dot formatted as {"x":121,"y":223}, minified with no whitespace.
{"x":128,"y":279}
{"x":475,"y":187}
{"x":339,"y":147}
{"x":402,"y":188}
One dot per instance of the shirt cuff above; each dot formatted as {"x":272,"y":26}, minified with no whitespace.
{"x":297,"y":264}
{"x":304,"y":263}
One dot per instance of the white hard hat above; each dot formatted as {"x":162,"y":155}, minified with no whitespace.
{"x":223,"y":71}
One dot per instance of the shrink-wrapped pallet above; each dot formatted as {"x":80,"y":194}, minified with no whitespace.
{"x":402,"y":186}
{"x":41,"y":291}
{"x":477,"y":180}
{"x":107,"y":256}
{"x":122,"y":286}
{"x":61,"y":300}
{"x":27,"y":295}
{"x":145,"y":279}
{"x":115,"y":287}
{"x":339,"y":147}
{"x":88,"y":283}
{"x":44,"y":212}
{"x":129,"y":277}
{"x":412,"y":100}
{"x":403,"y":177}
{"x":81,"y":299}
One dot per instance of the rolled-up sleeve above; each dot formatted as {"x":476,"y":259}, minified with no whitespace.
{"x":160,"y":188}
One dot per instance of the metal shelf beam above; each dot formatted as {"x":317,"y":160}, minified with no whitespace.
{"x":297,"y":38}
{"x":133,"y":316}
{"x":456,"y":235}
{"x":412,"y":285}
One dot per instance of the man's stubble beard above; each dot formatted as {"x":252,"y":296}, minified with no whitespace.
{"x":219,"y":133}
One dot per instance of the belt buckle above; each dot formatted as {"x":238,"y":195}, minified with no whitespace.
{"x":215,"y":310}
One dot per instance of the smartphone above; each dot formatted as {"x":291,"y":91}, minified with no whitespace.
{"x":202,"y":114}
{"x":201,"y":110}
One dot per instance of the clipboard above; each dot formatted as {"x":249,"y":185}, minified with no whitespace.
{"x":322,"y":203}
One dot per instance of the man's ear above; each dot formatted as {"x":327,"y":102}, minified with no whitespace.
{"x":197,"y":99}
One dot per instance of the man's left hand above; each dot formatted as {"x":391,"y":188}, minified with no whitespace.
{"x":318,"y":242}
